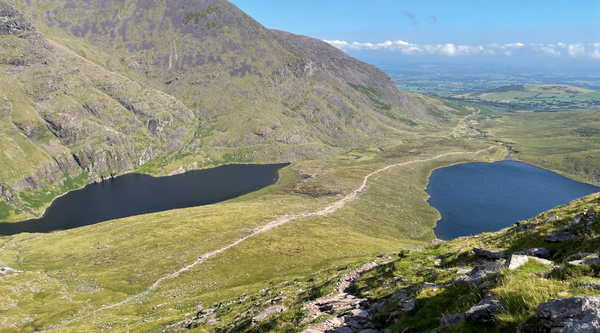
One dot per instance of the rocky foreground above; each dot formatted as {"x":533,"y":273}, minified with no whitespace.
{"x":521,"y":279}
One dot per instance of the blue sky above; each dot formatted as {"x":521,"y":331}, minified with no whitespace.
{"x":458,"y":28}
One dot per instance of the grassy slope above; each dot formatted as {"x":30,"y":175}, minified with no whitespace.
{"x":521,"y":289}
{"x":78,"y":270}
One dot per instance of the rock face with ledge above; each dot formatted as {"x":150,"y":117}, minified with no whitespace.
{"x":571,"y":315}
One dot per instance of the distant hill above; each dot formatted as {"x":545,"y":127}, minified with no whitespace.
{"x":536,"y":97}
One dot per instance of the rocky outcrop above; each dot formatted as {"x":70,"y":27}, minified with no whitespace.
{"x":539,"y":252}
{"x":267,"y":312}
{"x":12,"y":22}
{"x":516,"y":260}
{"x":586,"y":261}
{"x":474,"y":277}
{"x":482,"y":312}
{"x":570,"y":315}
{"x":559,"y":237}
{"x":488,"y":254}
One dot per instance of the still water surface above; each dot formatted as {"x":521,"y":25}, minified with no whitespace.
{"x":482,"y":197}
{"x":135,"y":194}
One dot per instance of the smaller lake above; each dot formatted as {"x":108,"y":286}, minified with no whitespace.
{"x":483,"y":197}
{"x":135,"y":194}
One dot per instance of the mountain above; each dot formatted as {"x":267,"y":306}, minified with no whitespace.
{"x":536,"y":97}
{"x":93,"y":89}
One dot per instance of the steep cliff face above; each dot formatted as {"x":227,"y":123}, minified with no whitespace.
{"x":107,"y":86}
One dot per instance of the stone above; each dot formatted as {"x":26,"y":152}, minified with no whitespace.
{"x":516,"y":260}
{"x":539,"y":252}
{"x":407,"y":305}
{"x":473,"y":278}
{"x":452,"y":319}
{"x":558,"y":237}
{"x":343,"y":330}
{"x":588,"y":262}
{"x":552,"y":219}
{"x":437,"y":241}
{"x":488,"y":254}
{"x":570,"y":315}
{"x":488,"y":284}
{"x":464,"y":270}
{"x":369,"y":331}
{"x":267,"y":312}
{"x":360,"y":313}
{"x":485,"y":310}
{"x":591,"y":285}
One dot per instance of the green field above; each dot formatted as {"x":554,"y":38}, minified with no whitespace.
{"x":536,"y":97}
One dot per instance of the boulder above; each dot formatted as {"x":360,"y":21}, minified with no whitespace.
{"x":570,"y":315}
{"x":437,"y":241}
{"x":591,"y":285}
{"x":485,"y":310}
{"x":557,"y":237}
{"x":406,"y":305}
{"x":452,"y":319}
{"x":589,"y":261}
{"x":488,"y":284}
{"x":488,"y":254}
{"x":539,"y":252}
{"x":360,"y":313}
{"x":473,"y":278}
{"x":267,"y":312}
{"x":515,"y":261}
{"x":464,"y":270}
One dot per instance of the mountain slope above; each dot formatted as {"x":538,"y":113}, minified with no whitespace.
{"x":96,"y":89}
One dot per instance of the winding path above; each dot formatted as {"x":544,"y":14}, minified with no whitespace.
{"x":275,"y":223}
{"x":460,"y":122}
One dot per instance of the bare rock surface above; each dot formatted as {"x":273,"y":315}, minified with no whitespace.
{"x":267,"y":312}
{"x":488,"y":254}
{"x":558,"y":237}
{"x":516,"y":260}
{"x":475,"y":277}
{"x":539,"y":252}
{"x":570,"y":315}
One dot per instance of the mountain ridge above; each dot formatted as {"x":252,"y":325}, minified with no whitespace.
{"x":182,"y":85}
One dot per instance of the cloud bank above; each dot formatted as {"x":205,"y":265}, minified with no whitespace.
{"x":560,"y":50}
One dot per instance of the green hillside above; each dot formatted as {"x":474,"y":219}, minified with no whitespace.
{"x":536,"y":97}
{"x":158,"y":90}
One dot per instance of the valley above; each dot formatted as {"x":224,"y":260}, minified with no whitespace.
{"x":90,"y":91}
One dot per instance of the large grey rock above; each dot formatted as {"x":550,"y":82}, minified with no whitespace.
{"x":267,"y":312}
{"x":11,"y":21}
{"x":406,"y":305}
{"x":485,"y":310}
{"x":473,"y":278}
{"x":591,"y":285}
{"x":464,"y":270}
{"x":515,"y":261}
{"x":539,"y":252}
{"x":360,"y":313}
{"x":452,"y":319}
{"x":570,"y":315}
{"x":488,"y":254}
{"x":589,"y":261}
{"x":558,"y":237}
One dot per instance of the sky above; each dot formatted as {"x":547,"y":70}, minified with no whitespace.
{"x":462,"y":30}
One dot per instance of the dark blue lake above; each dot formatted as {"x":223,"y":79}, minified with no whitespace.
{"x":482,"y":197}
{"x":135,"y":194}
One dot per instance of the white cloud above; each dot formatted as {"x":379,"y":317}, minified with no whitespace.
{"x":559,"y":50}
